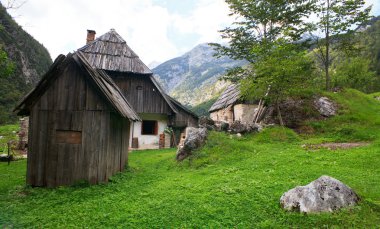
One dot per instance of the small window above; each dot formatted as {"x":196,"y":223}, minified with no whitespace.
{"x":149,"y":127}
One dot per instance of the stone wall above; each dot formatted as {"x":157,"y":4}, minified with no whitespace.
{"x":244,"y":113}
{"x":239,"y":112}
{"x":225,"y":115}
{"x":23,"y":133}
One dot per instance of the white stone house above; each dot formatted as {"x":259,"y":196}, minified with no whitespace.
{"x":230,"y":107}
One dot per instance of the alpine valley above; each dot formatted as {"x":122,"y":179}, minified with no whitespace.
{"x":193,"y":78}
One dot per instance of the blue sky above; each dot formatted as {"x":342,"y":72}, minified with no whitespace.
{"x":157,"y":30}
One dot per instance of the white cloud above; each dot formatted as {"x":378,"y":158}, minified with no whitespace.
{"x":209,"y":17}
{"x":61,"y":25}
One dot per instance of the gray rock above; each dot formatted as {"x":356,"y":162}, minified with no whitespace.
{"x":195,"y":138}
{"x":238,"y":127}
{"x":326,"y":194}
{"x":221,"y":126}
{"x":224,"y":126}
{"x":325,"y":106}
{"x":205,"y":121}
{"x":255,"y":127}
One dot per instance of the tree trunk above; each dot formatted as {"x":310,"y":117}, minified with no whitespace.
{"x":327,"y":59}
{"x":279,"y":113}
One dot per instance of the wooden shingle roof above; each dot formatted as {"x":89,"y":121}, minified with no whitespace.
{"x":179,"y":105}
{"x":230,"y":96}
{"x":111,"y":52}
{"x":109,"y":89}
{"x":101,"y":80}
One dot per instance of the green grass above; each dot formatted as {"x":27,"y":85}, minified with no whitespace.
{"x":358,"y":119}
{"x":7,"y":133}
{"x":231,"y":182}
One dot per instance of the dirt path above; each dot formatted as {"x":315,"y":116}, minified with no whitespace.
{"x":335,"y":146}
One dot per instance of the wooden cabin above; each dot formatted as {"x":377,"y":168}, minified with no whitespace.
{"x":157,"y":110}
{"x":230,"y":107}
{"x":79,"y":125}
{"x":86,"y":110}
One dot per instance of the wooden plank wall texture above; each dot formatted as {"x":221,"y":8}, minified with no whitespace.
{"x":71,"y":104}
{"x":183,"y":119}
{"x":147,"y":100}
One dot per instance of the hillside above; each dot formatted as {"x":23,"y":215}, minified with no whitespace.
{"x":230,"y":183}
{"x":192,"y":78}
{"x":202,"y":108}
{"x":30,"y":58}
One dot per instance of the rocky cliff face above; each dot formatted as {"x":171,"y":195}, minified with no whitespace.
{"x":31,"y":60}
{"x":193,"y":77}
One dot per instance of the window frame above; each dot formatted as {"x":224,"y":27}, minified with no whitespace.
{"x":155,"y":127}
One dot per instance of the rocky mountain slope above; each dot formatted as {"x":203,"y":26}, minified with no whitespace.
{"x":193,"y":77}
{"x":30,"y":60}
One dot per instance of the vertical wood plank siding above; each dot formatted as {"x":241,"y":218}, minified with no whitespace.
{"x":146,"y":100}
{"x":71,"y":103}
{"x":183,"y":119}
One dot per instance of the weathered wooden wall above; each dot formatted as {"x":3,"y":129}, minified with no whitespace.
{"x":183,"y":119}
{"x":74,"y":135}
{"x":146,"y":100}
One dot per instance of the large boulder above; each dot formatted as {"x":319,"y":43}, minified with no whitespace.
{"x":325,"y":194}
{"x":325,"y":106}
{"x":195,"y":138}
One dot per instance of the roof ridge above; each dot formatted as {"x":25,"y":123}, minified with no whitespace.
{"x":111,"y":52}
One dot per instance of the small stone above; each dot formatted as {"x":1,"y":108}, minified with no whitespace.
{"x":238,"y":135}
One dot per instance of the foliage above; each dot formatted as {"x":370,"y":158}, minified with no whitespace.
{"x":6,"y":66}
{"x":202,"y":108}
{"x":30,"y":61}
{"x":264,"y":33}
{"x":354,"y":72}
{"x":369,"y":39}
{"x":281,"y":69}
{"x":7,"y":133}
{"x":336,"y":20}
{"x":258,"y":22}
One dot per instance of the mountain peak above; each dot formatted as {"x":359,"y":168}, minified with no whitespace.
{"x":186,"y":77}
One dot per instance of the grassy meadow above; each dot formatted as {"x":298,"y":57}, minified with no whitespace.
{"x":7,"y":133}
{"x":230,"y":183}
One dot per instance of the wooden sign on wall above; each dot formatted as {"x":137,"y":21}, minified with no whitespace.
{"x":68,"y":136}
